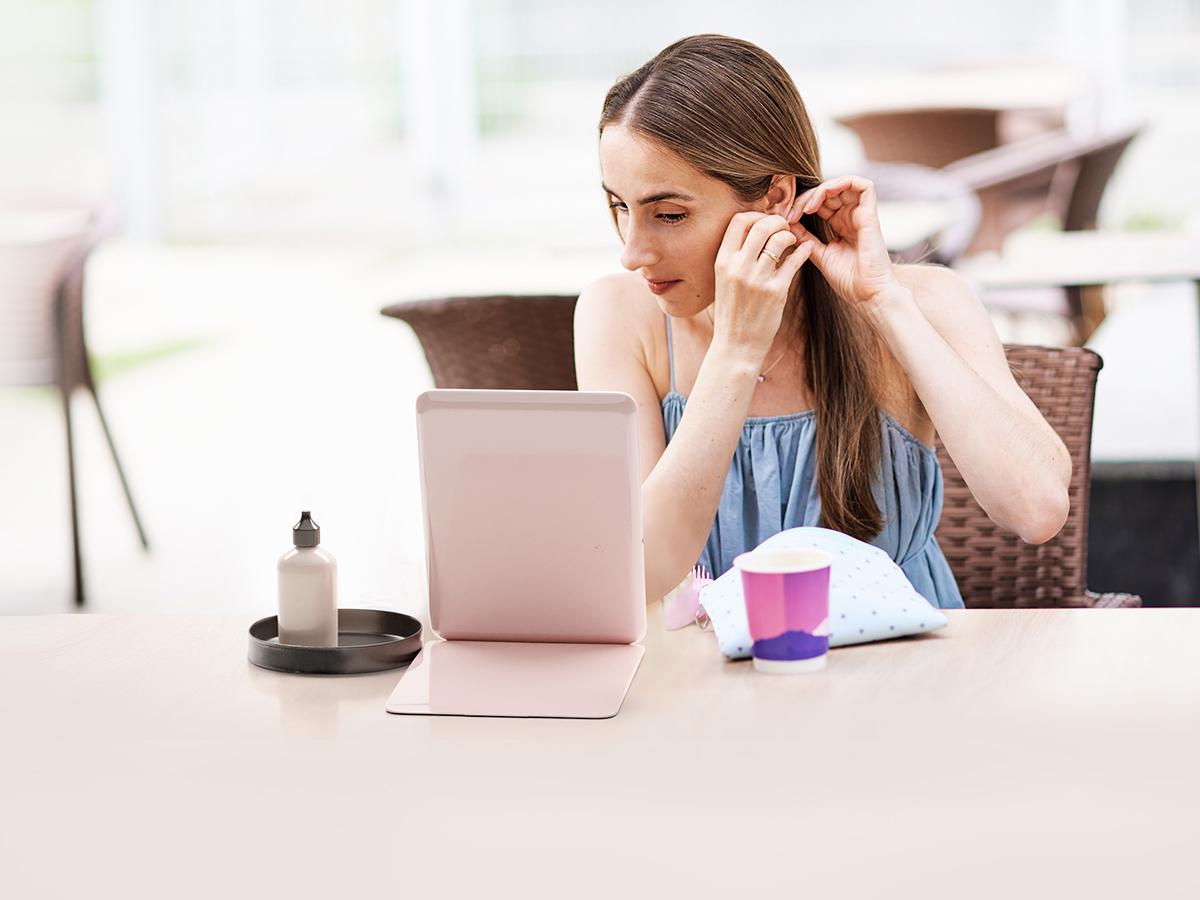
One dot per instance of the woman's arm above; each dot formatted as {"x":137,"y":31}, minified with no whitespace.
{"x":681,"y":496}
{"x":1017,"y":468}
{"x":1011,"y":459}
{"x":681,"y":484}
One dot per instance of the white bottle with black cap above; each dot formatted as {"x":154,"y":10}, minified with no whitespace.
{"x":307,"y":589}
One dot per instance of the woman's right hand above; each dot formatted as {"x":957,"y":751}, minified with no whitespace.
{"x":751,"y":288}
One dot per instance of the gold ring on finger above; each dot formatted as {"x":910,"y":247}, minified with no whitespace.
{"x":772,"y":255}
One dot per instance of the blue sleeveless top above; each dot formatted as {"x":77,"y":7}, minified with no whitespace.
{"x":772,"y":486}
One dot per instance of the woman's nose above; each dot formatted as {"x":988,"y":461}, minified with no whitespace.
{"x":638,"y":253}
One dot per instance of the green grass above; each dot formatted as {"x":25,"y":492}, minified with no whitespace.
{"x":113,"y":364}
{"x":1044,"y":222}
{"x":1145,"y":220}
{"x":109,"y":366}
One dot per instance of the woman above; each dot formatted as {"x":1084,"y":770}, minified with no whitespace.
{"x":762,"y":320}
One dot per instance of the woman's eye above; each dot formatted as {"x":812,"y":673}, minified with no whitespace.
{"x":671,"y":218}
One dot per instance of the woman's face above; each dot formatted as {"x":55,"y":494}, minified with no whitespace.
{"x":671,"y":217}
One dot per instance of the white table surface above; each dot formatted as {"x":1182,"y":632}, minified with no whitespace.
{"x":1083,"y":258}
{"x":1014,"y":753}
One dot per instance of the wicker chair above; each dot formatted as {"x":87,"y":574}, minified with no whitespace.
{"x":927,"y":136}
{"x":503,"y":342}
{"x":996,"y":569}
{"x":526,"y":343}
{"x":1049,"y":171}
{"x":41,"y":327}
{"x":1052,"y":173}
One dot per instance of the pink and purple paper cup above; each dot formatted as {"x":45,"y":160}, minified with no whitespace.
{"x":787,"y":603}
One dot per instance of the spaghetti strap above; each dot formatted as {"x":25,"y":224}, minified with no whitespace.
{"x":670,"y":353}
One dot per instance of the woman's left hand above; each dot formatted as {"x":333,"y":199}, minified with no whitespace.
{"x":856,"y":263}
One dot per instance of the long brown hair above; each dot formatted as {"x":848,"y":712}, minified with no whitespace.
{"x":731,"y":110}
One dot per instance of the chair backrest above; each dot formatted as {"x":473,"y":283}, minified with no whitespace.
{"x":931,"y":137}
{"x":500,"y":342}
{"x":910,"y":181}
{"x":1096,"y":165}
{"x":39,"y":248}
{"x":993,"y":567}
{"x":1055,"y":173}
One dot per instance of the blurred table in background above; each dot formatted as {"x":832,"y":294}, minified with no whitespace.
{"x":1086,"y":259}
{"x":937,"y":116}
{"x":998,"y":87}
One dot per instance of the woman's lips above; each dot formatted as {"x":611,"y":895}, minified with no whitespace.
{"x":661,"y":287}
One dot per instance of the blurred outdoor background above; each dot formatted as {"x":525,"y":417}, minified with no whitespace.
{"x":269,"y":174}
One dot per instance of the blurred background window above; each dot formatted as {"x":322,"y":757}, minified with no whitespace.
{"x":408,"y":122}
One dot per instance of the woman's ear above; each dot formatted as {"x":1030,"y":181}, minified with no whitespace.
{"x":781,"y":195}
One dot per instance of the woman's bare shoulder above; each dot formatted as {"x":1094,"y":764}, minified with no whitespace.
{"x":622,"y":298}
{"x":626,"y":293}
{"x":916,"y":276}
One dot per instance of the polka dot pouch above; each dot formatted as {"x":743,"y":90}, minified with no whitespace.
{"x":870,"y":599}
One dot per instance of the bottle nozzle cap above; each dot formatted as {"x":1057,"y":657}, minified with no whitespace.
{"x":306,"y":532}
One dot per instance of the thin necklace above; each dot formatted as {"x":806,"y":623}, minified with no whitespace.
{"x":762,"y":376}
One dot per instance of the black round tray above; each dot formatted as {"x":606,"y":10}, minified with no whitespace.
{"x":369,"y":640}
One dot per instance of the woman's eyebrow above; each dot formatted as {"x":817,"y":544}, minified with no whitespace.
{"x":653,"y":198}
